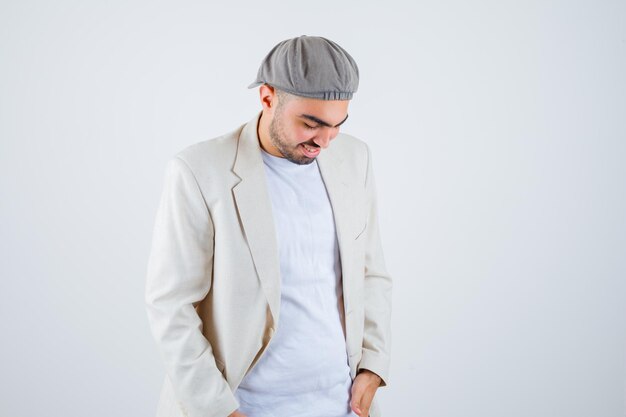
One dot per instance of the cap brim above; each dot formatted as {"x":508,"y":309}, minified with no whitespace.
{"x":255,"y":84}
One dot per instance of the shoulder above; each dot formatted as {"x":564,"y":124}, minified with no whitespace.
{"x":354,"y":152}
{"x":346,"y":144}
{"x":211,"y":155}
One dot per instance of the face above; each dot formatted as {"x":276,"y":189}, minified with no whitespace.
{"x":302,"y":127}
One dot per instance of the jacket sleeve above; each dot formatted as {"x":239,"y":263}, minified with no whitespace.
{"x":377,"y":290}
{"x":179,"y":276}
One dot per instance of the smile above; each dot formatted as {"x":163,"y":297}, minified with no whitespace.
{"x":310,"y":151}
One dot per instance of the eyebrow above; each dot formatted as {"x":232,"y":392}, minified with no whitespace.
{"x":321,"y":122}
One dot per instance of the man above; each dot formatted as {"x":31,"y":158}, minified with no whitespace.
{"x":267,"y":291}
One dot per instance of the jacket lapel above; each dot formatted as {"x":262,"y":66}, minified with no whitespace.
{"x":341,"y":196}
{"x":255,"y":211}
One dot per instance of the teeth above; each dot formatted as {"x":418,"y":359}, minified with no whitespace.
{"x":312,"y":150}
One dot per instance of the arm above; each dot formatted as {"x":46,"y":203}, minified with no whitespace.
{"x":377,"y":291}
{"x":179,"y":277}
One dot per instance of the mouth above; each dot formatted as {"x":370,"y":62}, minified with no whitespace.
{"x":310,"y":151}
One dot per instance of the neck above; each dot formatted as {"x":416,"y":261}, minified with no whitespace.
{"x":263,"y":133}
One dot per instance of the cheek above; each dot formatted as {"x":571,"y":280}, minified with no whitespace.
{"x":302,"y":135}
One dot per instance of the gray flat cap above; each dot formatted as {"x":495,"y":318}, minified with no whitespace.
{"x":310,"y":66}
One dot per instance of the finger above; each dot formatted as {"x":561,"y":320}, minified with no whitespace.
{"x":355,"y":401}
{"x":357,"y":411}
{"x":356,"y":407}
{"x":366,"y":401}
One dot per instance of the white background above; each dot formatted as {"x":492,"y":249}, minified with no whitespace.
{"x":499,"y":137}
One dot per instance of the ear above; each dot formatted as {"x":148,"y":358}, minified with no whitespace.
{"x":268,"y":98}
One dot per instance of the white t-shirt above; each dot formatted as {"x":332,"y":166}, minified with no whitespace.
{"x":304,"y":371}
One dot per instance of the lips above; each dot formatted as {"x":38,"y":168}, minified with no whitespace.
{"x":310,"y":151}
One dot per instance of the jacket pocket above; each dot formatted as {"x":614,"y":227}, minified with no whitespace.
{"x":361,"y":230}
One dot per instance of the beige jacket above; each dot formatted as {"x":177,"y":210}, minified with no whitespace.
{"x":213,"y":284}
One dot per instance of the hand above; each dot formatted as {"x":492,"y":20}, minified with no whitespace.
{"x":364,"y":387}
{"x":236,"y":413}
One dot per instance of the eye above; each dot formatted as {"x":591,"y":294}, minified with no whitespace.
{"x":307,"y":126}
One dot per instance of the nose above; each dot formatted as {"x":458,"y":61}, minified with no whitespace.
{"x":324,"y":137}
